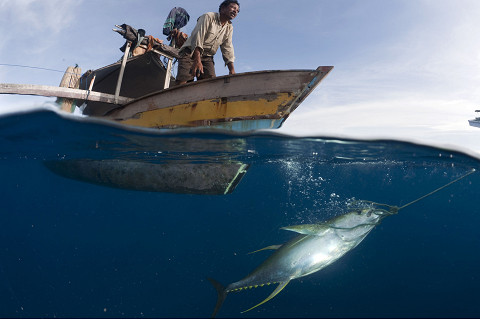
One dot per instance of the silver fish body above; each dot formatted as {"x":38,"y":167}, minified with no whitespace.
{"x":316,"y":246}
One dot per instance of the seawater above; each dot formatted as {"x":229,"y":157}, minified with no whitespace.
{"x":72,"y":248}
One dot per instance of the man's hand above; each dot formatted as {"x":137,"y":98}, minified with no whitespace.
{"x":231,"y":68}
{"x":197,"y":67}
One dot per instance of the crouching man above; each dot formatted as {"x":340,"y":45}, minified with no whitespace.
{"x":213,"y":30}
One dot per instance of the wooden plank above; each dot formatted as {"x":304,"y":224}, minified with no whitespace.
{"x":122,"y":70}
{"x":52,"y":91}
{"x":70,"y":80}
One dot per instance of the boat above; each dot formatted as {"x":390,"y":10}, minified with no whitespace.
{"x":140,"y":91}
{"x":240,"y":102}
{"x":475,"y":122}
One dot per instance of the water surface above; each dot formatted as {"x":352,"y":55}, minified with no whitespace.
{"x":73,"y":248}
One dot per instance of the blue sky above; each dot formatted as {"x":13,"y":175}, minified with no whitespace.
{"x":403,"y":69}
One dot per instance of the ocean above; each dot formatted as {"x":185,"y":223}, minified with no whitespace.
{"x":104,"y":221}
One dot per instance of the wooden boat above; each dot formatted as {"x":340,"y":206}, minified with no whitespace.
{"x":240,"y":102}
{"x":139,"y":91}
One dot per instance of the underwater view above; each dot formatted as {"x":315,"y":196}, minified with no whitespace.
{"x":105,"y":221}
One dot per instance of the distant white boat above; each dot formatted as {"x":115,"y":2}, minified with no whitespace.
{"x":475,"y":122}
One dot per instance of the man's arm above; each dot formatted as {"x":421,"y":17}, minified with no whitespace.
{"x":197,"y":62}
{"x":197,"y":40}
{"x":231,"y":68}
{"x":228,"y":53}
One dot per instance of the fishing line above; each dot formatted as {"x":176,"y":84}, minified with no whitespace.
{"x":436,"y":190}
{"x":30,"y":67}
{"x":395,"y":209}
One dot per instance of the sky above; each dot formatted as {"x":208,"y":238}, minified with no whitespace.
{"x":403,"y":69}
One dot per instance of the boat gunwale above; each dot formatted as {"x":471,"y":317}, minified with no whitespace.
{"x":301,"y":91}
{"x":219,"y":78}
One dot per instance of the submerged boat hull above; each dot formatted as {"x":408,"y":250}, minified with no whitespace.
{"x":175,"y":177}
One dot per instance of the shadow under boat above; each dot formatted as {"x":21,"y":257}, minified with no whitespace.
{"x":174,"y":177}
{"x":159,"y":163}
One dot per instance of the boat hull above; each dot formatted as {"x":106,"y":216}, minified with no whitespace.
{"x":241,"y":102}
{"x":474,"y":123}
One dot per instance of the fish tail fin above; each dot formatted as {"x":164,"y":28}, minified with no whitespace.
{"x":222,"y":294}
{"x":273,"y":294}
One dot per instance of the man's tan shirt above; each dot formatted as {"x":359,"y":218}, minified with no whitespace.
{"x":208,"y":35}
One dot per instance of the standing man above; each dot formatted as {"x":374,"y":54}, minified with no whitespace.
{"x":213,"y":30}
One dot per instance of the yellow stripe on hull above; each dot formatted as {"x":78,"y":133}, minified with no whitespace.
{"x":191,"y":114}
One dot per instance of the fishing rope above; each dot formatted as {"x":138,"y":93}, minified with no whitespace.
{"x":395,"y":209}
{"x":436,"y":190}
{"x":30,"y":67}
{"x":72,"y":73}
{"x":33,"y":67}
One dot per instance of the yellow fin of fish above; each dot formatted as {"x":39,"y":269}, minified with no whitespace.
{"x":273,"y":294}
{"x":273,"y":247}
{"x":308,"y":229}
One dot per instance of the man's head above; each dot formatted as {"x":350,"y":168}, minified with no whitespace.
{"x":229,"y":9}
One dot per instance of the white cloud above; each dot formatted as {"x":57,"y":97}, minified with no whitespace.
{"x":422,"y":84}
{"x":26,"y":20}
{"x":433,"y":54}
{"x":438,"y":122}
{"x":33,"y":15}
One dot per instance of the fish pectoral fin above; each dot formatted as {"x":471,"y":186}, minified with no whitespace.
{"x":308,"y":229}
{"x":273,"y":294}
{"x":273,"y":247}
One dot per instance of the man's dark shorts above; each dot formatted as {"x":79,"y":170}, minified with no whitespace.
{"x":185,"y":64}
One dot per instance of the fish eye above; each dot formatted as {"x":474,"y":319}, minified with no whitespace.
{"x":367,"y":212}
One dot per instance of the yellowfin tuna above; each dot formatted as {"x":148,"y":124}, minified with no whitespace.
{"x":315,"y":247}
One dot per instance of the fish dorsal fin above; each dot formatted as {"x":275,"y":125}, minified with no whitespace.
{"x":273,"y":247}
{"x":308,"y":229}
{"x":273,"y":294}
